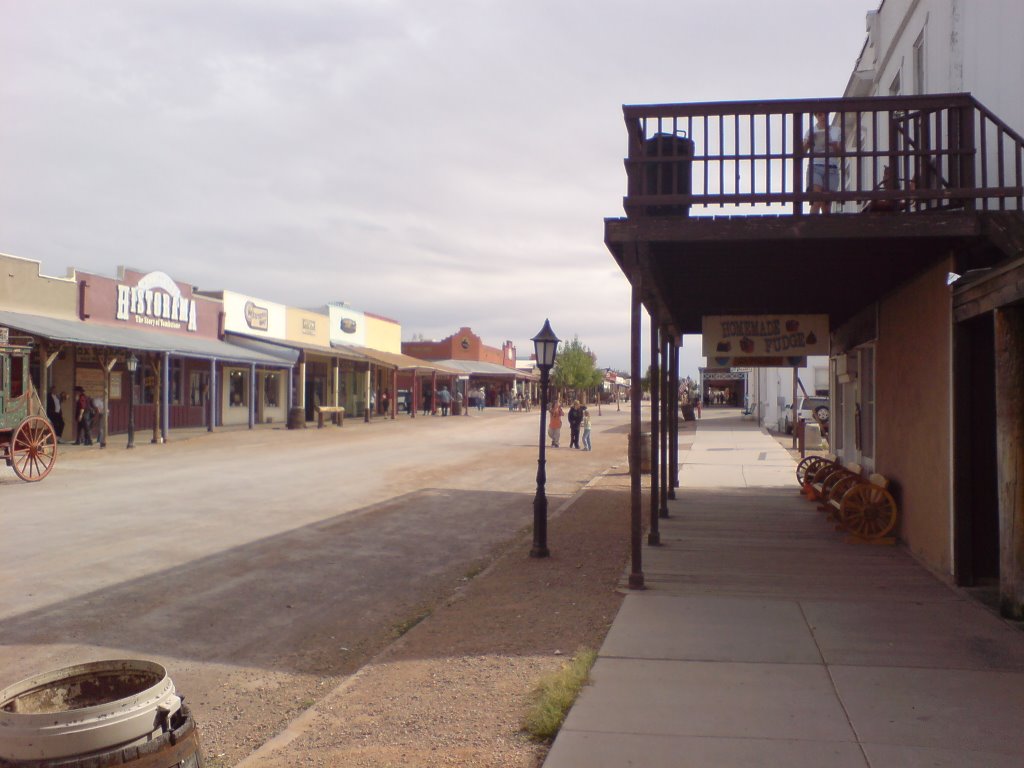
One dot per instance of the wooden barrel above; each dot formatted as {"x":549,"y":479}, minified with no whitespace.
{"x":297,"y":418}
{"x":108,"y":713}
{"x":645,"y":453}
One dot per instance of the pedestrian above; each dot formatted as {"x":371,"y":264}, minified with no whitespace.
{"x":446,"y":400}
{"x":83,"y":418}
{"x":53,"y":412}
{"x":575,"y":419}
{"x":822,"y":171}
{"x":384,"y":401}
{"x":458,"y":403}
{"x":96,"y":405}
{"x":481,"y":399}
{"x":586,"y":429}
{"x":555,"y":425}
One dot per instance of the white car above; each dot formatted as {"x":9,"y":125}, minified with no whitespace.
{"x":815,"y":408}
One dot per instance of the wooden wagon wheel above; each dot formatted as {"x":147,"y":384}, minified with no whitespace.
{"x":868,"y":511}
{"x":33,"y":449}
{"x":831,"y":479}
{"x":806,"y":468}
{"x":837,"y":491}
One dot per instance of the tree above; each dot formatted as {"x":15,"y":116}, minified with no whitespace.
{"x":576,"y":367}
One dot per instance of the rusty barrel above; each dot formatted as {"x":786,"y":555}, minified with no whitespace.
{"x":104,"y":713}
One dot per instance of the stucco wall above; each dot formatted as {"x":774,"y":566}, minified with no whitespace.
{"x":23,"y":289}
{"x":913,"y":395}
{"x":383,"y":334}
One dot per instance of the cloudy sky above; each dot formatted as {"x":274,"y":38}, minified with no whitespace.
{"x":440,"y":162}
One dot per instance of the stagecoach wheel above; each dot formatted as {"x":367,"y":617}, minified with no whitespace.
{"x":806,"y":468}
{"x":33,"y":449}
{"x":868,"y":511}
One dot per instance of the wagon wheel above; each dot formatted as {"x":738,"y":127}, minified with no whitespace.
{"x":832,"y":479}
{"x":868,"y":511}
{"x":821,"y":471}
{"x":836,"y":493}
{"x":806,"y":468}
{"x":33,"y":449}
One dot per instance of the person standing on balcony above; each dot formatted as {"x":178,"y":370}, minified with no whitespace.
{"x":822,"y":172}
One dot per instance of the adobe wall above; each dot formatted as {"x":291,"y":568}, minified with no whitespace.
{"x":913,"y":401}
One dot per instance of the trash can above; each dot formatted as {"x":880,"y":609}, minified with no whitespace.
{"x":687,"y":411}
{"x":665,"y":168}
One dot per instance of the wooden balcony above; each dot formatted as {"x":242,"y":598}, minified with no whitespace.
{"x":718,"y":212}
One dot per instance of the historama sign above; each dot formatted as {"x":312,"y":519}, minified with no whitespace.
{"x":764,"y":340}
{"x":150,"y":301}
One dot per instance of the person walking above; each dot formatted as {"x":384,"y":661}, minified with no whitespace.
{"x":446,"y":400}
{"x":586,"y":429}
{"x":83,"y":418}
{"x":555,"y":424}
{"x":575,"y":419}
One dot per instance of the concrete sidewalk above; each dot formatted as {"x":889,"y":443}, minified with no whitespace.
{"x":764,"y":640}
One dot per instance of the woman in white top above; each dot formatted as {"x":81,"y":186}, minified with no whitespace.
{"x":822,"y":173}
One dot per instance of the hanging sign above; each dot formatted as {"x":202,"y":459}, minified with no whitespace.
{"x":742,"y":339}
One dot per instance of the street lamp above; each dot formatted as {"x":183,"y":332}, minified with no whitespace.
{"x":545,"y":346}
{"x":132,"y":363}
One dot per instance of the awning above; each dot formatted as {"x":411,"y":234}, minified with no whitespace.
{"x":95,"y":334}
{"x":291,"y":349}
{"x":491,"y":370}
{"x":401,"y":362}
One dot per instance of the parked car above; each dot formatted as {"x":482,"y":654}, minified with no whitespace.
{"x":815,"y":408}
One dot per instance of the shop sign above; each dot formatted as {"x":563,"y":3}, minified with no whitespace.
{"x":257,"y":318}
{"x":739,"y":337}
{"x":156,"y":301}
{"x":348,"y":326}
{"x":753,"y":361}
{"x":5,"y":335}
{"x":253,"y":316}
{"x":309,"y":326}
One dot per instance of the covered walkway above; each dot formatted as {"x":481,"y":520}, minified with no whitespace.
{"x":763,"y":639}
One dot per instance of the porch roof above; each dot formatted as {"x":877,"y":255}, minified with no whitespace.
{"x":93,"y":334}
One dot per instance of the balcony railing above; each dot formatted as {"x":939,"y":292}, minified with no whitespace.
{"x":897,"y":153}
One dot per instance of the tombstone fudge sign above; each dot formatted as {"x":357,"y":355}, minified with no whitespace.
{"x":760,"y":340}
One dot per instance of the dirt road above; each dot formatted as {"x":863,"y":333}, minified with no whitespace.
{"x":262,"y":567}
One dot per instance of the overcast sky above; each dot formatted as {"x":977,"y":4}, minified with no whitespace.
{"x":440,"y":162}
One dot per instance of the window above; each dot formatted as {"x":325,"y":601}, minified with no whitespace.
{"x":17,"y":374}
{"x":196,"y":387}
{"x":271,"y":390}
{"x":867,"y":402}
{"x":237,"y":390}
{"x":919,"y":84}
{"x":176,"y":379}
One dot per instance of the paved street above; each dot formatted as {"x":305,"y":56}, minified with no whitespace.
{"x":270,"y":557}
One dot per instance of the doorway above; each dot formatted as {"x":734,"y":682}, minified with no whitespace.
{"x":976,"y":499}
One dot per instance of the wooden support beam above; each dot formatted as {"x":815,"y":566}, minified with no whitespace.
{"x":1009,"y":342}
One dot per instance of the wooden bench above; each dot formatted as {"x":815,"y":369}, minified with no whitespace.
{"x":336,"y":412}
{"x":867,"y":511}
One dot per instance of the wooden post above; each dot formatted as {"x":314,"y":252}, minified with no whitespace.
{"x":155,"y":365}
{"x":653,"y":532}
{"x":108,"y":366}
{"x":1009,"y":341}
{"x":636,"y":574}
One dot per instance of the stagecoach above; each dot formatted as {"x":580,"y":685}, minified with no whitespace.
{"x":27,"y":440}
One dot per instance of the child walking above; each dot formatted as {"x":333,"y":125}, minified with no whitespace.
{"x":586,"y":429}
